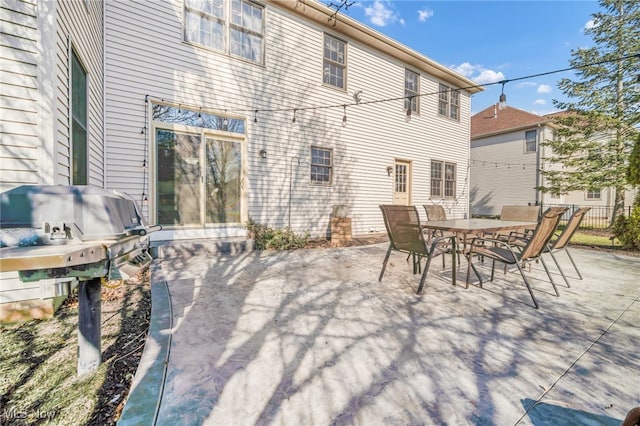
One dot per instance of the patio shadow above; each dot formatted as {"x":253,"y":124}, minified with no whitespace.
{"x":543,"y":413}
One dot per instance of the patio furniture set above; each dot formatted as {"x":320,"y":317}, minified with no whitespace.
{"x":520,"y":236}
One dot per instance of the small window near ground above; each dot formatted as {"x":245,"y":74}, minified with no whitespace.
{"x":321,"y":165}
{"x":594,"y":194}
{"x":411,"y":91}
{"x":530,"y":137}
{"x":334,"y":67}
{"x":443,"y":179}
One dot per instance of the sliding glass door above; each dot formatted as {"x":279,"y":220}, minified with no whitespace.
{"x":224,"y":181}
{"x":197,"y":183}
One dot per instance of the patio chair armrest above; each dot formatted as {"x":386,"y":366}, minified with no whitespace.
{"x":435,"y":241}
{"x":495,"y":241}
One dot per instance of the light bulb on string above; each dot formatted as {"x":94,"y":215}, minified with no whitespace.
{"x":407,"y":118}
{"x":344,"y":117}
{"x":503,"y":98}
{"x":293,"y":120}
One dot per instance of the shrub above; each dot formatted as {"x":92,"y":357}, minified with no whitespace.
{"x":627,"y":229}
{"x":266,"y":237}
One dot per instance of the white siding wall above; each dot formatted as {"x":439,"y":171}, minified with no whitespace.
{"x":501,"y":173}
{"x":79,"y":26}
{"x":19,"y":150}
{"x":34,"y":96}
{"x":146,"y":56}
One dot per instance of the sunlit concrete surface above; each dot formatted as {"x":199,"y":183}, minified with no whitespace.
{"x":310,"y":337}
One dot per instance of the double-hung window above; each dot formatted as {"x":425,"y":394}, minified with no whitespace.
{"x":411,"y":91}
{"x":235,"y":27}
{"x":321,"y":165}
{"x":449,"y":102}
{"x":530,"y":137}
{"x":334,"y":66}
{"x":443,"y":179}
{"x":593,"y":194}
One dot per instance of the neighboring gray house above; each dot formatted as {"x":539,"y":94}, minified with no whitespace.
{"x":213,"y":112}
{"x":507,"y":154}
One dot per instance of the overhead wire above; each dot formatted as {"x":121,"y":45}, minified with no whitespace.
{"x":397,"y":98}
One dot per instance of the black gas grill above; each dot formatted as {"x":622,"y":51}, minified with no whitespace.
{"x":82,"y":232}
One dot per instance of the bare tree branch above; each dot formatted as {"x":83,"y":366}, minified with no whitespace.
{"x":338,"y":6}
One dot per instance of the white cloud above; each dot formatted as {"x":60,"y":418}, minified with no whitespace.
{"x":478,"y":73}
{"x":539,"y":102}
{"x":525,"y":84}
{"x":590,"y":24}
{"x":544,"y":88}
{"x":381,"y":13}
{"x":424,"y":14}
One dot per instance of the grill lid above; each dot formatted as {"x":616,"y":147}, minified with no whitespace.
{"x":78,"y":212}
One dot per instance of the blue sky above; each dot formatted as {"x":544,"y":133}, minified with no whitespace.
{"x":490,"y":41}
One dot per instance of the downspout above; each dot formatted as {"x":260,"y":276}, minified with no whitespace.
{"x":538,"y":164}
{"x":104,"y":95}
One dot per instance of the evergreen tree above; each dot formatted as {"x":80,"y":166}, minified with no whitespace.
{"x":633,"y":173}
{"x":595,"y":132}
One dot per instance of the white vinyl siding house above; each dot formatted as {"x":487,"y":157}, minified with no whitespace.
{"x":37,"y":41}
{"x":277,"y":133}
{"x":501,"y":173}
{"x":508,"y":152}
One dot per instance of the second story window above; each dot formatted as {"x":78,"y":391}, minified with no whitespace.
{"x":530,"y":137}
{"x":448,"y":102}
{"x":334,"y":65}
{"x":235,"y":27}
{"x":411,"y":90}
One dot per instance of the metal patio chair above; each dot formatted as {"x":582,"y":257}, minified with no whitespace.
{"x":562,"y":240}
{"x":520,"y":214}
{"x":511,"y":254}
{"x":436,"y":212}
{"x":406,"y":236}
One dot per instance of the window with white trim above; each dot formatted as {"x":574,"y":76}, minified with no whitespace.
{"x":235,"y":27}
{"x":443,"y":179}
{"x":79,"y":122}
{"x":448,"y":102}
{"x":593,"y":194}
{"x":334,"y":65}
{"x":411,"y":91}
{"x":530,"y":138}
{"x":321,"y":165}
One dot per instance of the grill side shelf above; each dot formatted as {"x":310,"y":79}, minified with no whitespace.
{"x":51,"y":257}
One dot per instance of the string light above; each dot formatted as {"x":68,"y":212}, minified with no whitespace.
{"x":408,"y":116}
{"x":498,"y":164}
{"x":503,"y":98}
{"x":255,"y":116}
{"x":344,"y":117}
{"x":358,"y":101}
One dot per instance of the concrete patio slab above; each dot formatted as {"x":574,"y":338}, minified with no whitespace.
{"x":310,"y":337}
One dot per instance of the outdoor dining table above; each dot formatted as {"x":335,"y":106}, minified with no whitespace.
{"x":464,"y":227}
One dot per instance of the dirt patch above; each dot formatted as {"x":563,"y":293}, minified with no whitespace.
{"x":38,"y":362}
